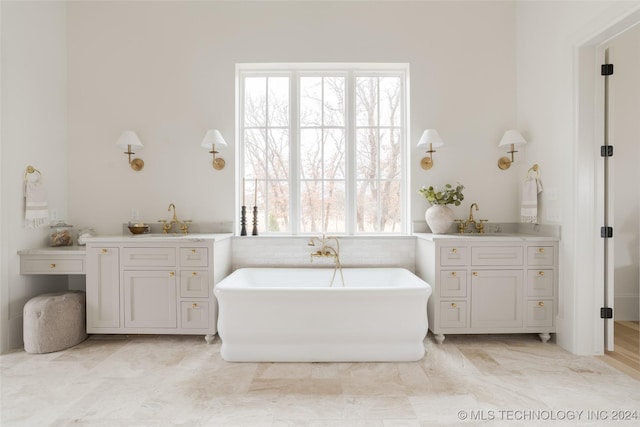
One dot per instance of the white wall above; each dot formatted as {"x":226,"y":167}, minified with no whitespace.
{"x":166,"y":70}
{"x":34,"y":127}
{"x":561,"y":140}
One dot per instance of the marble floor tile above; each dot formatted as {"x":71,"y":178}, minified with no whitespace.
{"x":122,"y":381}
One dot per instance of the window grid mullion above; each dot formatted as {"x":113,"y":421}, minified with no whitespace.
{"x":295,"y":208}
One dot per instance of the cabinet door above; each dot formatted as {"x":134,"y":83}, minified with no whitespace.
{"x":103,"y":288}
{"x":194,"y":314}
{"x":194,"y":257}
{"x":194,"y":284}
{"x":540,"y":283}
{"x":453,"y":283}
{"x":453,"y":314}
{"x":150,"y":299}
{"x":540,"y":313}
{"x":496,"y":299}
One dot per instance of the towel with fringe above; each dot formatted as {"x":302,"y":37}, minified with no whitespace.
{"x":529,"y":208}
{"x":36,"y":209}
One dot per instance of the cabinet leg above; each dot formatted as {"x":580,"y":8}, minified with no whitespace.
{"x":439,"y":338}
{"x":209,"y":338}
{"x":544,"y":337}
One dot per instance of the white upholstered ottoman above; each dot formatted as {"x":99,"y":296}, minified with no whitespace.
{"x":55,"y":321}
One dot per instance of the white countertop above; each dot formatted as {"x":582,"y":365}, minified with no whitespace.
{"x":158,"y":238}
{"x":57,"y":250}
{"x":486,"y":237}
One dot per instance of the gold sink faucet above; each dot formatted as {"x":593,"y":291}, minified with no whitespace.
{"x":167,"y":225}
{"x":479,"y":224}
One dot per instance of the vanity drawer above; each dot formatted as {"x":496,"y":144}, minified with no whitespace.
{"x":497,"y":255}
{"x":540,"y":313}
{"x":194,"y":257}
{"x":51,"y":266}
{"x":194,"y":284}
{"x":453,"y":255}
{"x":540,"y":255}
{"x":540,"y":283}
{"x":453,"y":283}
{"x":453,"y":314}
{"x":194,"y":314}
{"x":148,"y":257}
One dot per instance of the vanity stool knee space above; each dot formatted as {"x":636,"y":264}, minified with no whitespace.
{"x":54,"y":321}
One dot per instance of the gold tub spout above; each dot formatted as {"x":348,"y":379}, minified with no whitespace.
{"x":327,"y":250}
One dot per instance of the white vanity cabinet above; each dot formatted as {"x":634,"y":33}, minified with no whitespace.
{"x":154,"y":285}
{"x":487,"y":285}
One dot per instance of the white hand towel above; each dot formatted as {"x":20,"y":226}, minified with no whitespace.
{"x":36,"y":209}
{"x":529,"y":208}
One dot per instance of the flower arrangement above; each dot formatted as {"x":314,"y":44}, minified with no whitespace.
{"x":449,"y":196}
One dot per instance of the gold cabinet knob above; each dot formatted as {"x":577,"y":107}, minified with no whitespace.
{"x":475,"y":273}
{"x":194,"y":305}
{"x":52,"y":265}
{"x":103,"y":251}
{"x":541,"y":250}
{"x":541,"y":303}
{"x":454,"y":250}
{"x":193,"y":274}
{"x":454,"y":274}
{"x":540,"y":273}
{"x":172,"y":273}
{"x":193,"y":251}
{"x":454,"y":305}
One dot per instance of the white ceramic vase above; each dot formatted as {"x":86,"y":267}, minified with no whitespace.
{"x":439,"y":218}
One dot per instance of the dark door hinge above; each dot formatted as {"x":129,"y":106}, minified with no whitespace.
{"x":606,"y":69}
{"x":606,"y":313}
{"x":606,"y":232}
{"x":606,"y":150}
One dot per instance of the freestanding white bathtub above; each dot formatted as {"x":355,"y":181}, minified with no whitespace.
{"x":292,"y":315}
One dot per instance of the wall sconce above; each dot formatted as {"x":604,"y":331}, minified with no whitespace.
{"x":429,"y":139}
{"x":212,"y":138}
{"x":129,"y":140}
{"x":512,"y":138}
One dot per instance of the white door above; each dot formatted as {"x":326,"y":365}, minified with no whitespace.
{"x":622,"y":179}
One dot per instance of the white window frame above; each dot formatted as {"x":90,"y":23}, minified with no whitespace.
{"x":351,"y":71}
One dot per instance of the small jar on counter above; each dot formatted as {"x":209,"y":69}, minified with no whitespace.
{"x":61,"y":234}
{"x":83,"y":233}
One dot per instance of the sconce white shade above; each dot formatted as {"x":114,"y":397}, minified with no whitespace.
{"x":511,"y":136}
{"x":129,"y":139}
{"x":430,"y":136}
{"x":213,"y":137}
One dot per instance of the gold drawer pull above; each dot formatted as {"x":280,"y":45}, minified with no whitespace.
{"x":541,"y":250}
{"x":193,"y":274}
{"x":540,"y":273}
{"x":172,"y":273}
{"x":454,"y":250}
{"x":454,"y":274}
{"x":541,"y":303}
{"x":103,"y":251}
{"x":193,"y":251}
{"x":475,"y":273}
{"x":194,"y":305}
{"x":52,"y":266}
{"x":453,"y":305}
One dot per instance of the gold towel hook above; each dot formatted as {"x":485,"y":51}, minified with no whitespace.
{"x":535,"y":169}
{"x":30,"y":169}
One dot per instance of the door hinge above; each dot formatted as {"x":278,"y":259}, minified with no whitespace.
{"x":606,"y":69}
{"x":606,"y":313}
{"x":606,"y":232}
{"x":606,"y":151}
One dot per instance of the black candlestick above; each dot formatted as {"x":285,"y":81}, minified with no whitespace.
{"x":255,"y":221}
{"x":243,"y":221}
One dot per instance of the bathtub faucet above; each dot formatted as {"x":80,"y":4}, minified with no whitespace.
{"x":328,"y":251}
